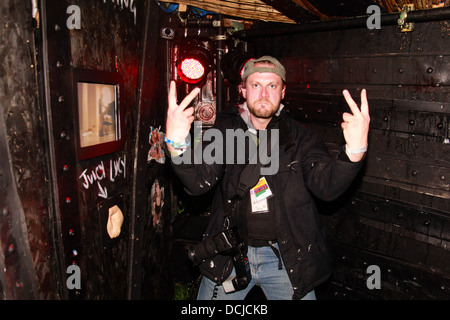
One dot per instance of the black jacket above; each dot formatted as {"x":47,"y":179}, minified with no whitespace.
{"x":305,"y":167}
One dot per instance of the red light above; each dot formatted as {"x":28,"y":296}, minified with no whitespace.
{"x":192,"y":69}
{"x":194,"y":61}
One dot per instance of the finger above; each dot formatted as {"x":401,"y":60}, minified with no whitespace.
{"x":188,"y":111}
{"x":351,"y":103}
{"x":172,"y":98}
{"x":188,"y":99}
{"x":191,"y":119}
{"x":364,"y":102}
{"x":344,"y":126}
{"x":347,"y":117}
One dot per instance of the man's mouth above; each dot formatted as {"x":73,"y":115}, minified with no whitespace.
{"x":263,"y":103}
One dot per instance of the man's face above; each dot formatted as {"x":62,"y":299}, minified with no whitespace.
{"x":263,"y":92}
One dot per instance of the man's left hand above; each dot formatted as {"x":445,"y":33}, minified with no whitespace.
{"x":356,"y":125}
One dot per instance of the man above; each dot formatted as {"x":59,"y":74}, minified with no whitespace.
{"x":285,"y":243}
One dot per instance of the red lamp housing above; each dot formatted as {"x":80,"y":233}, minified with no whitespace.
{"x":194,"y":63}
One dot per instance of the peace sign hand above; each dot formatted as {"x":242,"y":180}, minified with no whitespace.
{"x":356,"y":125}
{"x":179,"y":116}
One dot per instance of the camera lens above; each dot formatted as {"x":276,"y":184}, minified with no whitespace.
{"x":202,"y":250}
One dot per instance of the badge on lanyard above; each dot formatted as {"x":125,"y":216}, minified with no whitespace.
{"x":259,"y":195}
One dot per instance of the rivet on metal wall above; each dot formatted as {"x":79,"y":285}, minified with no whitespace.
{"x":59,"y":64}
{"x":429,"y":70}
{"x":411,"y":122}
{"x":57,"y":27}
{"x":5,"y":211}
{"x":60,"y":99}
{"x":64,"y":135}
{"x":400,"y":70}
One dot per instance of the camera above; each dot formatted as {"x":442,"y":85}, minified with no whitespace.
{"x":227,"y":242}
{"x":243,"y":275}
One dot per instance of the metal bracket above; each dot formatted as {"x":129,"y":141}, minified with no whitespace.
{"x":402,"y":23}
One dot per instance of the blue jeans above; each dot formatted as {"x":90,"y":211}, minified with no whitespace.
{"x":264,"y":268}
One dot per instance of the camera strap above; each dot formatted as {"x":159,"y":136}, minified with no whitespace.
{"x":248,"y":178}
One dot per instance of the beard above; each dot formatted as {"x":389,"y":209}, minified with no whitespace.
{"x":264,"y":112}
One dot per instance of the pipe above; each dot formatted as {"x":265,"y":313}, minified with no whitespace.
{"x":219,"y":77}
{"x":348,"y":23}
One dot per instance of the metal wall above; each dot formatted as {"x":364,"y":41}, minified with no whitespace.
{"x":397,"y":213}
{"x":54,"y":203}
{"x":28,"y":268}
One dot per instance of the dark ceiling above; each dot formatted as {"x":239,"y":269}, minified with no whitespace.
{"x":303,"y":11}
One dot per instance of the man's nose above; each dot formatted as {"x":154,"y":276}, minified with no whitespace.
{"x":264,"y":92}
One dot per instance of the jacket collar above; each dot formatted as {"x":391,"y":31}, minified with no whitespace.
{"x":245,"y":115}
{"x":278,"y":121}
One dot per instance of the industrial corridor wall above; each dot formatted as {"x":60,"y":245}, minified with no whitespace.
{"x":396,"y":216}
{"x":79,"y":183}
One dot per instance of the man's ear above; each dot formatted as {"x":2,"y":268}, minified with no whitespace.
{"x":283,"y":91}
{"x":243,"y":90}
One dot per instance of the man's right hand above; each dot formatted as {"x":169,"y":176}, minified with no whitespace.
{"x":179,"y":116}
